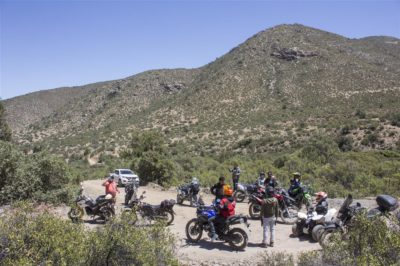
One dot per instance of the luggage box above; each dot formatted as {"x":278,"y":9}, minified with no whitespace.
{"x":387,"y":202}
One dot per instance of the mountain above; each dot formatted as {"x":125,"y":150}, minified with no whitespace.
{"x":272,"y":92}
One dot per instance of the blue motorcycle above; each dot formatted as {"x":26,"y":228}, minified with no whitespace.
{"x":236,"y":237}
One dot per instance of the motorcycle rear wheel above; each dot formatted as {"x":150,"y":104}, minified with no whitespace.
{"x":106,"y":215}
{"x":169,"y":216}
{"x":240,"y":195}
{"x":254,"y":211}
{"x":193,"y":230}
{"x":238,"y":238}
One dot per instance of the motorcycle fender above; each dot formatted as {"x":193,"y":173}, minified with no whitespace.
{"x":330,"y":226}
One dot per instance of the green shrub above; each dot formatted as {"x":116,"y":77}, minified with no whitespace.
{"x":5,"y":131}
{"x":29,"y":237}
{"x":276,"y":259}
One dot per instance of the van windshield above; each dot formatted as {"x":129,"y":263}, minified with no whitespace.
{"x":126,"y":172}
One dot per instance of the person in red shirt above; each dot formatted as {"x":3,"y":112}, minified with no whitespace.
{"x":226,"y":209}
{"x":111,"y":187}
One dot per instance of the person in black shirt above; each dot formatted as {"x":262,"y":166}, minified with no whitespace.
{"x":217,"y":189}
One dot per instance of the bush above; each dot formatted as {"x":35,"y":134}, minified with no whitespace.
{"x":29,"y":176}
{"x":5,"y":131}
{"x":345,"y":143}
{"x":276,"y":259}
{"x":154,"y":167}
{"x":29,"y":237}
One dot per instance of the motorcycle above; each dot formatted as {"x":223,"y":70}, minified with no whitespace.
{"x":188,"y":192}
{"x":162,"y":212}
{"x":306,"y":222}
{"x":302,"y":196}
{"x":131,"y":192}
{"x":236,"y":237}
{"x":342,"y":222}
{"x":243,"y":191}
{"x":287,"y":209}
{"x":103,"y":207}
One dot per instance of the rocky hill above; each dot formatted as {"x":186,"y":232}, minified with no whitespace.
{"x":271,"y":92}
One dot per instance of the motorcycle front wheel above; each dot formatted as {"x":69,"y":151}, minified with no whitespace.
{"x":240,"y":195}
{"x":130,"y":216}
{"x":327,"y":236}
{"x":238,"y":238}
{"x":193,"y":230}
{"x":317,"y":232}
{"x":75,"y":214}
{"x":289,"y":214}
{"x":254,"y":210}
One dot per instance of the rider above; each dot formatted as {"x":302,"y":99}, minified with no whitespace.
{"x":322,"y":204}
{"x":217,"y":189}
{"x":226,"y":209}
{"x":295,"y":184}
{"x":261,"y":179}
{"x":270,"y":181}
{"x":235,"y":175}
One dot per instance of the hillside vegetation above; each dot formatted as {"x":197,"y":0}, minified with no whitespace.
{"x":288,"y":98}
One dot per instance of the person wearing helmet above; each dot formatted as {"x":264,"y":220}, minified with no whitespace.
{"x":295,"y":184}
{"x":270,"y":181}
{"x":322,"y":204}
{"x":235,"y":175}
{"x":217,"y":189}
{"x":194,"y":189}
{"x":226,"y":209}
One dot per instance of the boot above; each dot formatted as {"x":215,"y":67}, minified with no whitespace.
{"x":271,"y":244}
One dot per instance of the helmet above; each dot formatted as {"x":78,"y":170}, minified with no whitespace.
{"x":262,"y":173}
{"x":270,"y":191}
{"x":195,"y":180}
{"x":296,"y":174}
{"x":221,"y":178}
{"x":228,"y":191}
{"x":320,"y":196}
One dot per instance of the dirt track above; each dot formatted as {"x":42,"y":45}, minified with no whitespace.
{"x":205,"y":251}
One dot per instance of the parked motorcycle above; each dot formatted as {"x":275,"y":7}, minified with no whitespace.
{"x":342,"y":222}
{"x":236,"y":237}
{"x":306,"y":222}
{"x":287,"y":212}
{"x":162,"y":212}
{"x":243,"y":191}
{"x":103,"y":207}
{"x":188,"y":192}
{"x":131,"y":191}
{"x":302,"y":196}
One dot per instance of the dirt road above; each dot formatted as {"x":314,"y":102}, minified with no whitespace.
{"x":205,"y":251}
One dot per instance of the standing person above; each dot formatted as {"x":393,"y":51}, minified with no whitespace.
{"x":295,"y":184}
{"x":217,"y":189}
{"x":261,"y":179}
{"x":235,"y":175}
{"x":270,"y":181}
{"x":111,"y":187}
{"x":269,"y":215}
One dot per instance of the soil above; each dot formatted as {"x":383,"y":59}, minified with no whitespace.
{"x":206,"y":252}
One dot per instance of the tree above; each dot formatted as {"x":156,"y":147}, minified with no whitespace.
{"x":5,"y":132}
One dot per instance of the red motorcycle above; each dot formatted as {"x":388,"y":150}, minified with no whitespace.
{"x":287,"y":213}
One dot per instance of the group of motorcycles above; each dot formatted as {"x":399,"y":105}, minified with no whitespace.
{"x":319,"y":226}
{"x":103,"y":208}
{"x":323,"y":227}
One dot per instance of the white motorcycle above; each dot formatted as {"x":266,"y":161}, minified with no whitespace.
{"x":312,"y":223}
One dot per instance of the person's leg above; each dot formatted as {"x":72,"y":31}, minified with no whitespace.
{"x":265,"y":232}
{"x":272,"y":231}
{"x":212,"y":228}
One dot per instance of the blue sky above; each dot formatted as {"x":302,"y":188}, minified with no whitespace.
{"x":50,"y":44}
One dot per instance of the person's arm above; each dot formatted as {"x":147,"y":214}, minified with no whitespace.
{"x":213,"y":188}
{"x":105,"y":183}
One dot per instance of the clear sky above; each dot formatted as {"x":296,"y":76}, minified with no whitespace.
{"x":50,"y":44}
